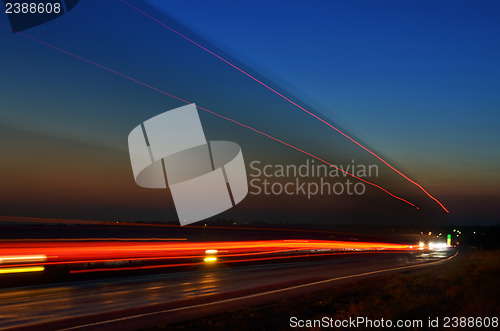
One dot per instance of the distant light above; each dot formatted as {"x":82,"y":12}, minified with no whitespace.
{"x":474,"y":232}
{"x":438,"y":245}
{"x":421,"y":244}
{"x":454,"y":230}
{"x":430,"y":233}
{"x":411,"y":246}
{"x":20,"y":269}
{"x":211,"y":251}
{"x":210,"y":259}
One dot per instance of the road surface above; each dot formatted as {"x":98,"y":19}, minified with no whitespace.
{"x":141,"y":301}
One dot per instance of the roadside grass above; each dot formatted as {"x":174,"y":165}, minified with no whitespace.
{"x":467,"y":286}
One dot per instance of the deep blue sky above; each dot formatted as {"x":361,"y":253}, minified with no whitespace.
{"x":416,"y":81}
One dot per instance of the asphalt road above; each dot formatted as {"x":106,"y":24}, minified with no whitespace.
{"x":131,"y":303}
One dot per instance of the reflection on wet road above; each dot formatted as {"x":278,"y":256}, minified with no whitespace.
{"x":36,"y":304}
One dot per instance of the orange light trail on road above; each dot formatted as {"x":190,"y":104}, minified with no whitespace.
{"x":17,"y":270}
{"x":104,"y":248}
{"x":22,"y":258}
{"x":160,"y":258}
{"x":74,"y":253}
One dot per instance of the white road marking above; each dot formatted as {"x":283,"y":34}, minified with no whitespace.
{"x":256,"y":294}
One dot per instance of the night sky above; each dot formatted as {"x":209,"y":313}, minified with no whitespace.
{"x":417,"y":82}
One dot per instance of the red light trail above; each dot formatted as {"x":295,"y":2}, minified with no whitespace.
{"x":290,"y":101}
{"x":21,"y":256}
{"x":209,"y":111}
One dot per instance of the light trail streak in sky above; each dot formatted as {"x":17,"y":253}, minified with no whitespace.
{"x":211,"y":112}
{"x":290,"y":101}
